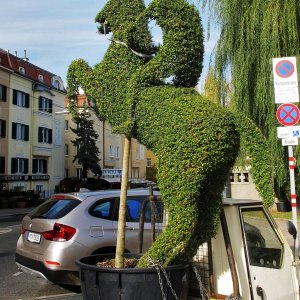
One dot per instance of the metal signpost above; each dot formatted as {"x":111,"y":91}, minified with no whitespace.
{"x":288,"y":114}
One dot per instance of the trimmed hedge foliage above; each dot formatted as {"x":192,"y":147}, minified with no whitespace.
{"x":154,"y":100}
{"x":255,"y":146}
{"x":196,"y":144}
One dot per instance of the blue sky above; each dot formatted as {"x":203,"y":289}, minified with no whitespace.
{"x":58,"y":31}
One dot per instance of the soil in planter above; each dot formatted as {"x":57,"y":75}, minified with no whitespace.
{"x":128,"y":263}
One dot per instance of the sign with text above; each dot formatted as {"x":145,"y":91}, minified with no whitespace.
{"x":288,"y":132}
{"x":285,"y":80}
{"x":290,"y":141}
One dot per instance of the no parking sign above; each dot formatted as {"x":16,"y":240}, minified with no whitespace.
{"x":285,"y":80}
{"x":288,"y":114}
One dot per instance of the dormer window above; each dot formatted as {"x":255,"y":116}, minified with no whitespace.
{"x":56,"y":84}
{"x":22,"y":70}
{"x":41,"y":78}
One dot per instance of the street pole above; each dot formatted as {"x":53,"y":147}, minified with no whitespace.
{"x":293,"y":196}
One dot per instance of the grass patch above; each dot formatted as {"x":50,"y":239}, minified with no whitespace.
{"x":284,"y":215}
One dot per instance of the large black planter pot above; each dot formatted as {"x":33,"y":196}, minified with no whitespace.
{"x":130,"y":283}
{"x":283,"y":206}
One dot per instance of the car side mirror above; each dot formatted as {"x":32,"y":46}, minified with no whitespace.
{"x":292,"y":229}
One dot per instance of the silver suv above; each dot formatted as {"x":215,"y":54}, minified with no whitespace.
{"x":69,"y":226}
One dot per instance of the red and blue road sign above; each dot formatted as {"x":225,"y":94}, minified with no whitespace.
{"x":288,"y":114}
{"x":284,"y":68}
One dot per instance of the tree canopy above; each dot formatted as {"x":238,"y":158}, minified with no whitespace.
{"x":87,"y":151}
{"x":252,"y":33}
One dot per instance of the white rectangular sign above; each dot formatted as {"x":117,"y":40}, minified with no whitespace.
{"x":290,"y":141}
{"x":285,"y":80}
{"x":288,"y":132}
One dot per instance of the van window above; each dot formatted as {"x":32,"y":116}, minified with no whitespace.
{"x":54,"y":208}
{"x":264,"y":246}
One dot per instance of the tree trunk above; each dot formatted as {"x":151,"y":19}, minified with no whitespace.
{"x":119,"y":263}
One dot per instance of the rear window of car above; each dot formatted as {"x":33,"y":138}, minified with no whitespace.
{"x":54,"y":208}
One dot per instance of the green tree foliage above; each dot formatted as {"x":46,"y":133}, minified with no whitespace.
{"x":212,"y":89}
{"x":252,"y":33}
{"x":87,"y":151}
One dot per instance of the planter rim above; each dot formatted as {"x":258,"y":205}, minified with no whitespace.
{"x":124,"y":270}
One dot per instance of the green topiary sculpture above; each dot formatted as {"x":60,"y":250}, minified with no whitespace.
{"x":148,"y":93}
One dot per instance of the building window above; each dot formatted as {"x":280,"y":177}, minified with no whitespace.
{"x":117,"y":152}
{"x":2,"y":164}
{"x":111,"y":151}
{"x":20,"y":132}
{"x":149,"y":163}
{"x":137,"y":154}
{"x":45,"y":104}
{"x":239,"y":177}
{"x":66,"y":125}
{"x":2,"y":128}
{"x":39,"y":166}
{"x":56,"y":84}
{"x":79,"y":173}
{"x":19,"y":187}
{"x":66,"y":149}
{"x":22,"y":70}
{"x":45,"y":135}
{"x":19,"y":165}
{"x":39,"y":188}
{"x":3,"y":89}
{"x":20,"y":99}
{"x":41,"y":78}
{"x":142,"y":152}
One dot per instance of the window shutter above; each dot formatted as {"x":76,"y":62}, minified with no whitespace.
{"x":26,"y":165}
{"x":26,"y":100}
{"x":4,"y":93}
{"x":26,"y":132}
{"x":40,"y":103}
{"x":14,"y":131}
{"x":3,"y":87}
{"x":2,"y":164}
{"x":14,"y":165}
{"x":50,"y":106}
{"x":45,"y":166}
{"x":3,"y":128}
{"x":40,"y":137}
{"x":34,"y":166}
{"x":15,"y":97}
{"x":50,"y":136}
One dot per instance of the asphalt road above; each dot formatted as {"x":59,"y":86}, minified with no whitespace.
{"x":15,"y":285}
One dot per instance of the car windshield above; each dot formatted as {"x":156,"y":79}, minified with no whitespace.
{"x":54,"y":208}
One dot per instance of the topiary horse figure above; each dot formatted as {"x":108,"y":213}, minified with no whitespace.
{"x":152,"y":98}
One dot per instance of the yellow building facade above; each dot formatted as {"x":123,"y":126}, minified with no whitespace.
{"x":32,"y":137}
{"x":110,"y":146}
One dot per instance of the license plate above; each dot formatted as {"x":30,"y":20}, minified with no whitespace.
{"x":34,"y":237}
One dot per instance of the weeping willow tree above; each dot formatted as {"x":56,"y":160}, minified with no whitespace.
{"x":252,"y":33}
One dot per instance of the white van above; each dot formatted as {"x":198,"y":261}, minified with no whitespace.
{"x":249,"y":258}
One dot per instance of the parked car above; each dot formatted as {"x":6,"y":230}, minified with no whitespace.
{"x":70,"y":226}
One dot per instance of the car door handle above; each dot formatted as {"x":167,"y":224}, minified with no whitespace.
{"x":129,"y":228}
{"x":260,"y":292}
